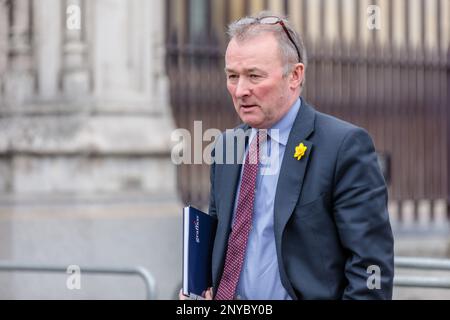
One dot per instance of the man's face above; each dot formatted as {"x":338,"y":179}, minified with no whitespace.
{"x":254,"y":69}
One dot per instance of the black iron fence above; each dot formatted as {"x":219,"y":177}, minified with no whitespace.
{"x":400,"y":94}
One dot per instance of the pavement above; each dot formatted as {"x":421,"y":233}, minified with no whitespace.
{"x":421,"y":243}
{"x":122,"y":231}
{"x":125,"y":231}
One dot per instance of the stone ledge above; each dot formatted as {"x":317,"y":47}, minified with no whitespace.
{"x":83,"y":134}
{"x":79,"y":174}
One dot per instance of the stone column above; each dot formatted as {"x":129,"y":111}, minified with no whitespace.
{"x":19,"y":82}
{"x":3,"y":44}
{"x":159,"y":82}
{"x":75,"y":76}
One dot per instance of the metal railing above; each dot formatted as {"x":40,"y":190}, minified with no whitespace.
{"x":417,"y":263}
{"x":427,"y":264}
{"x":143,"y":273}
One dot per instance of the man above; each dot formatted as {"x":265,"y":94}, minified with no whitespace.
{"x":317,"y":226}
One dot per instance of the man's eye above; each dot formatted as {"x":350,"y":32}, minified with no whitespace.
{"x":254,"y":76}
{"x":232,"y":76}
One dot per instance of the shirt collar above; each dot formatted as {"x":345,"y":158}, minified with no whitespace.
{"x":284,"y":125}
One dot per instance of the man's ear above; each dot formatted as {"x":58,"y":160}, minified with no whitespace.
{"x":297,"y":76}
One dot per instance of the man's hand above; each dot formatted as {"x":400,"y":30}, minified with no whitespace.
{"x":208,"y":294}
{"x":181,"y":296}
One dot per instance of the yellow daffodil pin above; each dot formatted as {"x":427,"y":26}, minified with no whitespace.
{"x":300,"y":151}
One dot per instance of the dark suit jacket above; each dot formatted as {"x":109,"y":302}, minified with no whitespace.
{"x":331,"y":220}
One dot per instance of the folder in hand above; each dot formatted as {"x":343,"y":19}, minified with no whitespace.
{"x":199,"y":230}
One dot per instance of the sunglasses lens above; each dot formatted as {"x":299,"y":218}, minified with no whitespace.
{"x":246,"y":21}
{"x":269,"y":20}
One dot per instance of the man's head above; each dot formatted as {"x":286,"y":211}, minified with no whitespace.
{"x":265,"y":68}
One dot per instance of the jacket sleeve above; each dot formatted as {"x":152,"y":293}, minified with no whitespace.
{"x":362,"y":219}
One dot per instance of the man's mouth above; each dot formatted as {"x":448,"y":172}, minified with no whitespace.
{"x":246,"y":107}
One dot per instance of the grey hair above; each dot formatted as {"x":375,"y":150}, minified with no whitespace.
{"x":248,"y":27}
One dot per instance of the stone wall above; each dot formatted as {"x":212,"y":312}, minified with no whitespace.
{"x":84,"y":114}
{"x":84,"y":104}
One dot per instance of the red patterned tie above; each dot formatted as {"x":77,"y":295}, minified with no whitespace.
{"x":237,"y":242}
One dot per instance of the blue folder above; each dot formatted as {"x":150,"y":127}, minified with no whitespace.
{"x":199,"y":230}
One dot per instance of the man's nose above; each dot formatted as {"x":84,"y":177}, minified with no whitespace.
{"x":242,"y":88}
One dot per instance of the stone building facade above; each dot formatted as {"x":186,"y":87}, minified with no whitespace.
{"x":86,"y":176}
{"x":83,"y":98}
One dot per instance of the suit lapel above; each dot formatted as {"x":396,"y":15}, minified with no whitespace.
{"x":290,"y":180}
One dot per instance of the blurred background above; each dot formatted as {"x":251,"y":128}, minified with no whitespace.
{"x":90,"y":92}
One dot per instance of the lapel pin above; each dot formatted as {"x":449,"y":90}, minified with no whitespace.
{"x":300,"y":151}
